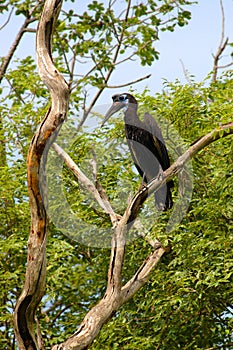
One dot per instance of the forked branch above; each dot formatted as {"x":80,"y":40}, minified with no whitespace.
{"x":116,"y":295}
{"x":222,"y":46}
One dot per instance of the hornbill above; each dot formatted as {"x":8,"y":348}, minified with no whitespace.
{"x":146,"y":145}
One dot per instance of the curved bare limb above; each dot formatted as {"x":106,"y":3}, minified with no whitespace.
{"x":177,"y":166}
{"x":15,"y":44}
{"x":24,"y":315}
{"x":97,"y":191}
{"x":116,"y":295}
{"x":7,"y":20}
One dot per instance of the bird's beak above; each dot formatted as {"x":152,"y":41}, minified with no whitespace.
{"x":115,"y":107}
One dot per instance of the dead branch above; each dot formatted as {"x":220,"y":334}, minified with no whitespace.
{"x":8,"y":19}
{"x":109,"y":73}
{"x":129,"y":83}
{"x":186,"y":73}
{"x":8,"y":57}
{"x":177,"y":166}
{"x":222,"y":45}
{"x":116,"y":295}
{"x":100,"y":197}
{"x":217,"y":58}
{"x":24,"y":315}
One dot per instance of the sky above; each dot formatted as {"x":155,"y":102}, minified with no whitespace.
{"x":194,"y":44}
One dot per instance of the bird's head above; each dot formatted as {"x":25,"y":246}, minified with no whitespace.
{"x":120,"y":101}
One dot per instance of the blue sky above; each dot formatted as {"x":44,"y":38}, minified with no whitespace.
{"x":193,"y":44}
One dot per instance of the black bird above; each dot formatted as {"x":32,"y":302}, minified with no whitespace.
{"x":146,"y":144}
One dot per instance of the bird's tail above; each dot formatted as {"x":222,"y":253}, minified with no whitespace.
{"x":163,"y":197}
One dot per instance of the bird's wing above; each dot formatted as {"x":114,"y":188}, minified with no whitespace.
{"x":159,"y":143}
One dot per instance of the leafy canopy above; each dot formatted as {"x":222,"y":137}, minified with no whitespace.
{"x":187,"y":302}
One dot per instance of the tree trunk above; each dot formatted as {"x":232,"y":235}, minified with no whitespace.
{"x":24,"y":315}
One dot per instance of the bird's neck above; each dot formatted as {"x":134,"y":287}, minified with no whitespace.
{"x":130,"y":115}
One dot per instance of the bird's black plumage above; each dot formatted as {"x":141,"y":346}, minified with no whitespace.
{"x":146,"y":145}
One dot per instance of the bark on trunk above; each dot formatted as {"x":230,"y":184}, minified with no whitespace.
{"x":24,"y":315}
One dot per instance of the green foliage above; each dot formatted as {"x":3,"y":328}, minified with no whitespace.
{"x":104,"y":35}
{"x":187,"y":302}
{"x":15,"y":221}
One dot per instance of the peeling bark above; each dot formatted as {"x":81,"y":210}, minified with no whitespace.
{"x":24,"y":315}
{"x":116,"y":295}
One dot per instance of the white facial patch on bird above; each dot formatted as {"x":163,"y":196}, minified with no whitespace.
{"x":124,"y":99}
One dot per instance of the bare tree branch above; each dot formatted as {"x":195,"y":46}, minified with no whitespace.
{"x":72,"y":66}
{"x":186,"y":73}
{"x":129,"y":83}
{"x":134,"y":53}
{"x":39,"y":334}
{"x":24,"y":315}
{"x":116,"y":295}
{"x":225,"y":65}
{"x":217,"y":58}
{"x":142,"y":275}
{"x":8,"y":19}
{"x":176,"y":167}
{"x":15,"y":44}
{"x":109,"y":73}
{"x":222,"y":45}
{"x":100,"y":197}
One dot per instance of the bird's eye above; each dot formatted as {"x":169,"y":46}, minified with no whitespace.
{"x":122,"y":98}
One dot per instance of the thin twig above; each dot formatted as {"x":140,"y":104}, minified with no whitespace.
{"x":222,"y":45}
{"x":8,"y":19}
{"x":129,"y":83}
{"x":128,"y":58}
{"x":15,"y":44}
{"x":109,"y":73}
{"x":186,"y":74}
{"x":225,"y":66}
{"x":72,"y":65}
